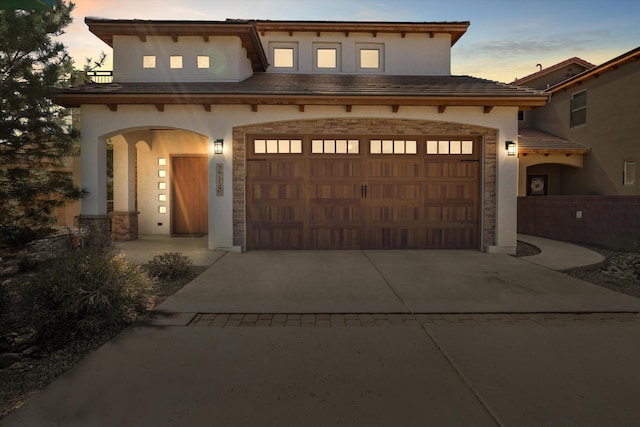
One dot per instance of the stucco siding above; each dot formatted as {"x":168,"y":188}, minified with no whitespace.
{"x":227,"y":59}
{"x":611,"y":131}
{"x":415,"y":54}
{"x":99,"y":123}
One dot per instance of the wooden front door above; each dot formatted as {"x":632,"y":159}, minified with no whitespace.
{"x":375,"y":194}
{"x":189,"y":195}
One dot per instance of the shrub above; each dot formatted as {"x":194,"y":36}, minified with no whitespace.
{"x":83,"y":291}
{"x":170,"y":265}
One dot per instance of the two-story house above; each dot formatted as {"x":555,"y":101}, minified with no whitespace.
{"x":583,"y":148}
{"x":299,"y":135}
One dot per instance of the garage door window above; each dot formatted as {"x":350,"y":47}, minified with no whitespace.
{"x":449,"y":147}
{"x":277,"y":146}
{"x":389,"y":146}
{"x":335,"y":146}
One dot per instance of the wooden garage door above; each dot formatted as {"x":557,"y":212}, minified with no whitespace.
{"x":373,"y":193}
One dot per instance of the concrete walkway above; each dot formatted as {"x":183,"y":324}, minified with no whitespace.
{"x":352,"y":338}
{"x":560,"y":256}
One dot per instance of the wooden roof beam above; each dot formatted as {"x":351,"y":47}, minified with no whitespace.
{"x":487,"y":109}
{"x":113,"y":107}
{"x":160,"y":107}
{"x":442,"y":109}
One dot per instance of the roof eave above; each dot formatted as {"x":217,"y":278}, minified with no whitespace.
{"x":75,"y":100}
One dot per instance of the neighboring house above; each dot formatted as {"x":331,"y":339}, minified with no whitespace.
{"x":543,"y":157}
{"x":583,"y":145}
{"x":592,"y":120}
{"x":299,"y":135}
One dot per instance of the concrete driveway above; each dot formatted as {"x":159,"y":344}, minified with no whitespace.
{"x":375,"y":338}
{"x":388,"y":282}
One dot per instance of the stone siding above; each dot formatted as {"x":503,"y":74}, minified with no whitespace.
{"x":361,"y":127}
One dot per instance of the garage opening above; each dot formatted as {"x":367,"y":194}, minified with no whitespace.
{"x":373,"y":192}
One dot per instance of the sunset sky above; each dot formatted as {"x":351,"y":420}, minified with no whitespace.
{"x":505,"y":41}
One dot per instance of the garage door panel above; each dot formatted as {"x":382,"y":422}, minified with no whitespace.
{"x":333,"y":191}
{"x":275,"y":235}
{"x":334,"y":168}
{"x":393,"y":237}
{"x":263,"y":168}
{"x":335,"y":238}
{"x":393,"y":168}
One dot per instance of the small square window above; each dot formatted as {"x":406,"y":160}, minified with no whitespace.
{"x":162,"y":161}
{"x":162,"y":173}
{"x":283,"y":57}
{"x":162,"y":197}
{"x":326,"y":58}
{"x":162,"y":186}
{"x":202,"y":61}
{"x":162,"y":209}
{"x":148,"y":61}
{"x":175,"y":61}
{"x":369,"y":58}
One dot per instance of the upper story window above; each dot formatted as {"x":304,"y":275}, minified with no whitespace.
{"x":629,"y":173}
{"x":326,"y":56}
{"x":521,"y":116}
{"x":579,"y":109}
{"x":175,"y":61}
{"x":202,"y":61}
{"x":284,"y":56}
{"x":370,"y":57}
{"x":149,"y":61}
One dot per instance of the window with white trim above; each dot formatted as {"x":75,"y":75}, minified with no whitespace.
{"x":393,"y":146}
{"x":335,"y":146}
{"x":630,"y":171}
{"x":284,"y":56}
{"x":449,"y":147}
{"x":578,"y":109}
{"x":326,"y":56}
{"x":370,"y":57}
{"x":277,"y":146}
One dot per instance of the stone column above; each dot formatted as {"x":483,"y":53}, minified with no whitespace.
{"x":124,"y":218}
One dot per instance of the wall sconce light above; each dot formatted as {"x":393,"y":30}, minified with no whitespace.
{"x":510,"y":146}
{"x":217,"y":146}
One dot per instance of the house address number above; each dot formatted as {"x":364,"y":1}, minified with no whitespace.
{"x":219,"y":179}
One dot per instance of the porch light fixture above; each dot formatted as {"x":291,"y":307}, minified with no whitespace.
{"x":217,"y":146}
{"x":510,"y":146}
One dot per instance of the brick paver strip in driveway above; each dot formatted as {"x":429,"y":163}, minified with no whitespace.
{"x":393,"y":319}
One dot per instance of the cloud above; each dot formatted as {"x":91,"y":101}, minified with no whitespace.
{"x":575,"y":42}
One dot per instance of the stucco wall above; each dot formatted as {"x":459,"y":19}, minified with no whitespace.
{"x":100,"y":123}
{"x":611,"y":131}
{"x":228,"y":59}
{"x":415,"y":54}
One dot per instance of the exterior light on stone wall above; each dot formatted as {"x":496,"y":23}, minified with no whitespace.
{"x":510,"y":146}
{"x":217,"y":146}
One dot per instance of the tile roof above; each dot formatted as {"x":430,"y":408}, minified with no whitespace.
{"x":321,"y":87}
{"x":613,"y":64}
{"x":559,"y":65}
{"x":532,"y":140}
